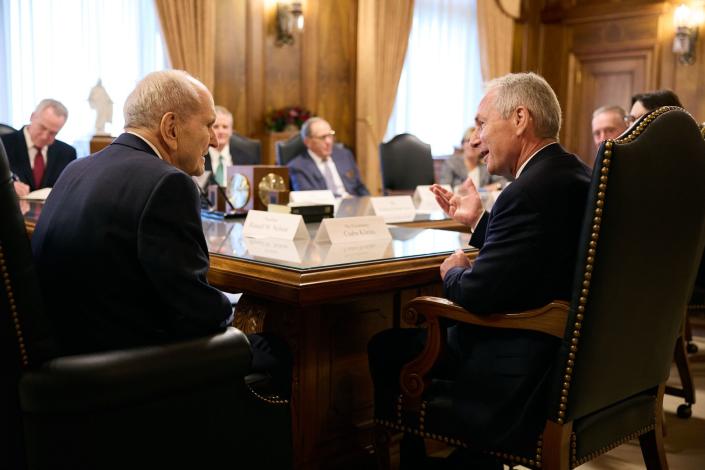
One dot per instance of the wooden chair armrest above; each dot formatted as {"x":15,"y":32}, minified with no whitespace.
{"x":550,"y":319}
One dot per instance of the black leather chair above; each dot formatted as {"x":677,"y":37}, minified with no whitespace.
{"x":245,"y":151}
{"x":633,"y":279}
{"x":406,"y":163}
{"x":183,"y":405}
{"x":5,"y":129}
{"x":288,"y":149}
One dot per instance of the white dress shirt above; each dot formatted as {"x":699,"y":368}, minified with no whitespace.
{"x":32,"y":150}
{"x":215,"y":157}
{"x":148,"y":143}
{"x":339,"y":187}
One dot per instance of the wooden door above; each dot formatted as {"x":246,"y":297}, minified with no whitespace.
{"x":601,"y":79}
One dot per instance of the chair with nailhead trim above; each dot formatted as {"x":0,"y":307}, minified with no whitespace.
{"x":177,"y":405}
{"x":637,"y":263}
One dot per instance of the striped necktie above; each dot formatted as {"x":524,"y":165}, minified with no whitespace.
{"x":219,"y":176}
{"x":328,"y":176}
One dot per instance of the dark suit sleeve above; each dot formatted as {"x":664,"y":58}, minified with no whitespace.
{"x":173,"y":253}
{"x":294,"y":177}
{"x":360,"y":188}
{"x":300,"y":181}
{"x":510,"y":256}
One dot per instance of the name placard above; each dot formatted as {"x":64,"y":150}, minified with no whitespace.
{"x":356,"y":252}
{"x":425,"y":201}
{"x":352,"y":229}
{"x":313,"y":197}
{"x":261,"y":224}
{"x":394,"y":208}
{"x":292,"y":251}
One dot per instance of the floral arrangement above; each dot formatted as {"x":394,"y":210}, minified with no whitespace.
{"x":290,"y":118}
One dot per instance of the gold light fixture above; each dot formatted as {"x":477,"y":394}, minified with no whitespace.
{"x":290,"y":19}
{"x":687,"y":20}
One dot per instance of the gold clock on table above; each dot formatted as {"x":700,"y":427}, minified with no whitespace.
{"x":255,"y":186}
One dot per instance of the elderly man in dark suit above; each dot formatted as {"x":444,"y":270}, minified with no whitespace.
{"x":119,"y":245}
{"x":528,"y":247}
{"x":325,"y":165}
{"x":36,"y":157}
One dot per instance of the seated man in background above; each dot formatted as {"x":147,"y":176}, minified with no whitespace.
{"x":325,"y":165}
{"x":528,"y":247}
{"x":607,"y":123}
{"x":224,"y":154}
{"x":36,"y":157}
{"x":458,"y":167}
{"x":119,"y":246}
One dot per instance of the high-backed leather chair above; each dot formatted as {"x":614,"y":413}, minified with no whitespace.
{"x":178,"y":405}
{"x":406,"y":163}
{"x":245,"y":151}
{"x":5,"y":129}
{"x":288,"y":149}
{"x":635,"y":270}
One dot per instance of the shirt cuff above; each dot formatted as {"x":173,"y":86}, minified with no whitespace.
{"x":474,"y":226}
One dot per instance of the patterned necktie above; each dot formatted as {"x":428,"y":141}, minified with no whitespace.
{"x":328,"y":176}
{"x":219,"y":172}
{"x":38,"y":169}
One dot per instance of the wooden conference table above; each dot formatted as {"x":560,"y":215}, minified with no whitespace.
{"x":327,"y":301}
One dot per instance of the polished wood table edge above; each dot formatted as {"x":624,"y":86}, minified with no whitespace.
{"x":445,"y":224}
{"x":308,"y":287}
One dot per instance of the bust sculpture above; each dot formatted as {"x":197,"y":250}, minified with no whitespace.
{"x":99,"y":100}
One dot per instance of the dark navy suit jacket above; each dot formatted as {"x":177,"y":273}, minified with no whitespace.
{"x":121,"y":254}
{"x":528,"y":248}
{"x":58,"y":156}
{"x":238,"y":157}
{"x":305,"y":175}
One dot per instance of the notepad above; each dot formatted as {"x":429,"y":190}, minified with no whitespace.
{"x":38,"y":195}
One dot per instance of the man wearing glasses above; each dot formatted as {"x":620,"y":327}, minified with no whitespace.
{"x":325,"y":165}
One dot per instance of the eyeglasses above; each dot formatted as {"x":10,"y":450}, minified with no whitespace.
{"x":330,"y":135}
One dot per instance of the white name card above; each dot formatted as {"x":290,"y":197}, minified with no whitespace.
{"x":394,"y":208}
{"x":357,"y":251}
{"x":352,"y":229}
{"x":312,"y":197}
{"x":424,"y":199}
{"x":292,"y":251}
{"x":261,"y":224}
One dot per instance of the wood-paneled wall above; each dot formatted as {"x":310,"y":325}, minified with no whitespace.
{"x":253,"y":75}
{"x":598,"y":52}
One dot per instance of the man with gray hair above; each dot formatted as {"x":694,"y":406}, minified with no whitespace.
{"x":607,"y":123}
{"x":324,"y":165}
{"x":119,"y":245}
{"x":528,"y":248}
{"x":36,"y":157}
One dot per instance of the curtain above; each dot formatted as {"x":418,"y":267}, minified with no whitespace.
{"x":441,"y":83}
{"x":496,"y":30}
{"x":189,"y":33}
{"x":383,"y":33}
{"x":59,"y":49}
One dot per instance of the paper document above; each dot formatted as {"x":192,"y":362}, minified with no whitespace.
{"x":38,"y":195}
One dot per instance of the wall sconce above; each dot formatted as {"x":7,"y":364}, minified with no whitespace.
{"x":687,"y":20}
{"x":290,"y":18}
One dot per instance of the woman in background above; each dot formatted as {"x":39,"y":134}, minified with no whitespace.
{"x":459,"y":166}
{"x":643,"y":103}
